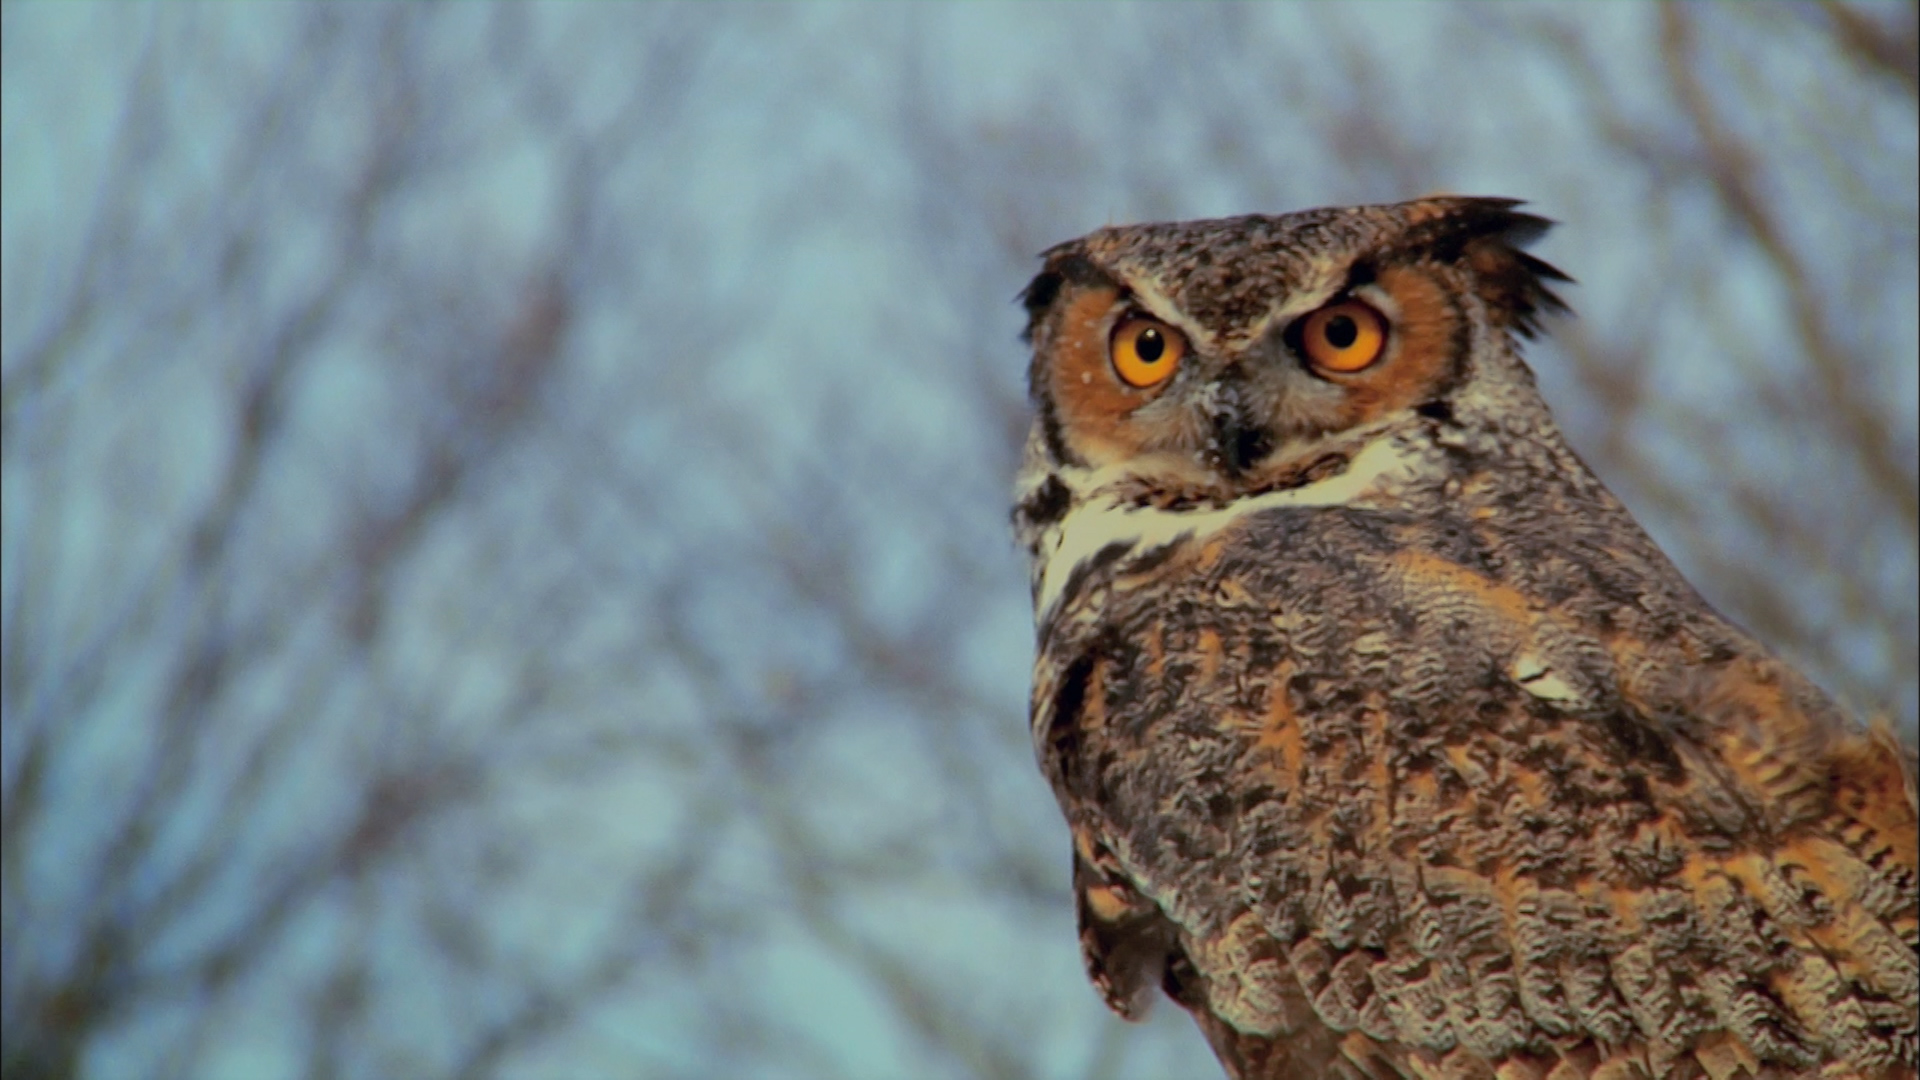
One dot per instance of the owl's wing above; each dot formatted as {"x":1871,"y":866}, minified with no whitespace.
{"x":1131,"y":950}
{"x":1709,"y":879}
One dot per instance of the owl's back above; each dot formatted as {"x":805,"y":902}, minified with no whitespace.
{"x":1465,"y":793}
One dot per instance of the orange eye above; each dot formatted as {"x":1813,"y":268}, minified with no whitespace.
{"x":1344,"y":337}
{"x":1146,"y":352}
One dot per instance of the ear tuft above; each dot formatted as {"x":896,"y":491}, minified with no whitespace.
{"x":1037,"y":297}
{"x":1064,"y":264}
{"x":1488,"y":235}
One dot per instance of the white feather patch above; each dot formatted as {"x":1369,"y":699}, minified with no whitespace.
{"x":1533,"y":675}
{"x":1102,"y":520}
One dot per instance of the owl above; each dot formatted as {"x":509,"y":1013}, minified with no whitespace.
{"x":1389,"y":744}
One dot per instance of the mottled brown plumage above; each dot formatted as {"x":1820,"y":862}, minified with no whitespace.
{"x":1390,"y":744}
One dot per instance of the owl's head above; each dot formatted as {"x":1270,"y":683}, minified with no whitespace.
{"x":1210,"y":356}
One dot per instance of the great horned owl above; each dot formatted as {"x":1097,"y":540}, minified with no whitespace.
{"x":1390,"y":745}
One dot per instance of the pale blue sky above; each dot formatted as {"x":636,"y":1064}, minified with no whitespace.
{"x":791,"y":292}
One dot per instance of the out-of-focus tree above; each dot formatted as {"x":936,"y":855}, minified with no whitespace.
{"x":505,"y":567}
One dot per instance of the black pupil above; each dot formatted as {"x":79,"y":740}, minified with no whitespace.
{"x":1149,"y":346}
{"x":1341,"y":331}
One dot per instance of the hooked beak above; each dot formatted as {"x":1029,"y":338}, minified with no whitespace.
{"x":1239,"y":440}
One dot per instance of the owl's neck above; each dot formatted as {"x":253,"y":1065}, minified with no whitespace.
{"x":1073,"y":521}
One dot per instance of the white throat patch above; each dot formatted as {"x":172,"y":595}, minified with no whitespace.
{"x":1101,"y":519}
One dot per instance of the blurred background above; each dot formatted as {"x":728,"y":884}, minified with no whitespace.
{"x":506,"y":565}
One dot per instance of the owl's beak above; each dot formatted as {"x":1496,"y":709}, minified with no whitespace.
{"x":1240,"y":441}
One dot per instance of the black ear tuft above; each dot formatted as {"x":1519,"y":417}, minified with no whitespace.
{"x":1037,"y":297}
{"x":1064,"y":264}
{"x":1487,"y":235}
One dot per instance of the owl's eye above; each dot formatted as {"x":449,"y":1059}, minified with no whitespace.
{"x":1146,"y":352}
{"x":1344,"y":337}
